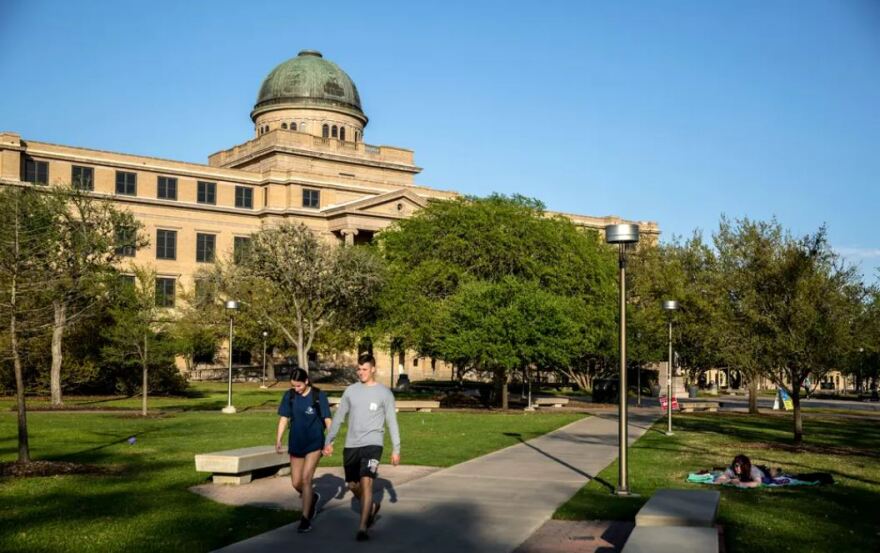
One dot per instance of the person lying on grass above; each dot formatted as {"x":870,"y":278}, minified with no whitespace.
{"x":742,"y":473}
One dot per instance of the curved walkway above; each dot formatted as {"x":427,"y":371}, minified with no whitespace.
{"x":489,"y":504}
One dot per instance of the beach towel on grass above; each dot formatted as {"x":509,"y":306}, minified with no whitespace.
{"x":779,"y":481}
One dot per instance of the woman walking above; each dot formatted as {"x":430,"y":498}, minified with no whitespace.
{"x":307,"y":410}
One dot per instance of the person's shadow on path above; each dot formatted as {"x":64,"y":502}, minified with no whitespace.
{"x":330,"y":487}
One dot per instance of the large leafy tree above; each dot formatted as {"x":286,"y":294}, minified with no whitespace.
{"x":495,"y":284}
{"x":27,"y":230}
{"x":686,"y":271}
{"x":791,"y":304}
{"x":82,"y":256}
{"x":139,"y":335}
{"x":299,"y":285}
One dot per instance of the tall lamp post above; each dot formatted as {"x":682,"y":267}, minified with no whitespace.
{"x":265,"y":335}
{"x":622,"y":235}
{"x":231,"y":307}
{"x":670,"y":306}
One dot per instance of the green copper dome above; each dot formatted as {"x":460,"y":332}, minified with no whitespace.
{"x":309,"y":81}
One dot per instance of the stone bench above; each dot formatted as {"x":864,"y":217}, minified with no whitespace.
{"x":691,"y":406}
{"x":421,"y":405}
{"x":550,"y":401}
{"x":236,"y":466}
{"x":676,"y":521}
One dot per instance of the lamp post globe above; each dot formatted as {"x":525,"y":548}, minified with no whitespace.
{"x":670,"y":306}
{"x":231,"y":306}
{"x":622,"y":235}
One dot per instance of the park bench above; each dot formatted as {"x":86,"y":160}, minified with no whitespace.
{"x":691,"y":406}
{"x":421,"y":405}
{"x":550,"y":401}
{"x":676,"y":521}
{"x":236,"y":466}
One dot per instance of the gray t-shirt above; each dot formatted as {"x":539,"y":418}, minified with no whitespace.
{"x":368,"y":408}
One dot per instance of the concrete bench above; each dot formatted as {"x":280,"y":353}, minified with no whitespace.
{"x":236,"y":466}
{"x":672,"y":539}
{"x":676,"y":521}
{"x":680,"y":508}
{"x":550,"y":401}
{"x":691,"y":406}
{"x":421,"y":405}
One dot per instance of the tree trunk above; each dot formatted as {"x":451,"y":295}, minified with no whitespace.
{"x":753,"y":396}
{"x":796,"y":403}
{"x":270,"y":366}
{"x":24,"y":451}
{"x":501,"y":379}
{"x":57,"y":335}
{"x":146,"y":380}
{"x":302,"y":355}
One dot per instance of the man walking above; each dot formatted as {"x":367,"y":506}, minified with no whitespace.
{"x":369,"y":406}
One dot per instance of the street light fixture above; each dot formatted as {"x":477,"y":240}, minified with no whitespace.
{"x":231,"y":306}
{"x":263,"y":385}
{"x":622,"y":235}
{"x":670,"y":306}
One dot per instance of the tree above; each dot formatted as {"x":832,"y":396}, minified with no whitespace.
{"x":139,"y":334}
{"x":495,"y":284}
{"x":82,"y":261}
{"x":790,"y":304}
{"x":27,"y":226}
{"x":300,"y":285}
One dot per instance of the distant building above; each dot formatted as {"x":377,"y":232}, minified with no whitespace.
{"x":307,"y":162}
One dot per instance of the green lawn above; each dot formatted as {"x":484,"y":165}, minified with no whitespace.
{"x":839,"y":518}
{"x":147,"y":506}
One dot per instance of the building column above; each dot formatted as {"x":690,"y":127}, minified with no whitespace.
{"x":348,"y":235}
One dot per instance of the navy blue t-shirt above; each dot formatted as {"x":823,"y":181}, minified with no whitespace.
{"x":306,"y":422}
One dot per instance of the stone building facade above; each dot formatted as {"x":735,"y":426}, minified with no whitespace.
{"x":307,"y":162}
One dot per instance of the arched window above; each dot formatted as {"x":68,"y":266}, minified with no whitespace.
{"x":283,"y":125}
{"x":292,"y":126}
{"x":335,"y":131}
{"x":325,"y":131}
{"x":341,"y":133}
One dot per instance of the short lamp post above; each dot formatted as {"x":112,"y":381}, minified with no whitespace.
{"x":670,"y":306}
{"x":265,"y":335}
{"x":622,"y":235}
{"x":231,"y":306}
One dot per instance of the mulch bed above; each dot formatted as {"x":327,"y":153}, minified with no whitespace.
{"x":15,"y":469}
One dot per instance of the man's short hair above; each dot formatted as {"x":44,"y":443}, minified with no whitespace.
{"x":366,"y":358}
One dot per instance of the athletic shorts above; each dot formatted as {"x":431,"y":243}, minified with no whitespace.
{"x":361,"y":461}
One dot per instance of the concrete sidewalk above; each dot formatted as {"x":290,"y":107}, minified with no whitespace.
{"x":489,"y":504}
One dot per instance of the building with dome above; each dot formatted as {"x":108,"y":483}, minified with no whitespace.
{"x":307,"y":162}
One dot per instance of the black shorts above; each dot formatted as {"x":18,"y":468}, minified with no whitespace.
{"x":361,"y":461}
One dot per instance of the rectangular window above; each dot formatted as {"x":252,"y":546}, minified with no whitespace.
{"x":241,"y":247}
{"x":164,"y":292}
{"x":204,"y":291}
{"x":33,"y":171}
{"x":82,"y":178}
{"x":207,"y":193}
{"x":311,"y":198}
{"x":205,"y":247}
{"x":166,"y":244}
{"x":127,"y":280}
{"x":166,"y":188}
{"x":126,"y":183}
{"x":244,"y":197}
{"x":125,"y":241}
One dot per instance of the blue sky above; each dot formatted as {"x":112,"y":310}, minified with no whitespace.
{"x":668,"y":111}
